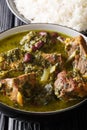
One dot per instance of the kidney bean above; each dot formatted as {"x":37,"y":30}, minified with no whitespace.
{"x":43,"y":33}
{"x":39,"y":44}
{"x":54,"y":35}
{"x":53,"y":41}
{"x":27,"y":57}
{"x":34,"y":48}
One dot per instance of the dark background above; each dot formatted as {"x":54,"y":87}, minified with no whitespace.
{"x":72,"y":120}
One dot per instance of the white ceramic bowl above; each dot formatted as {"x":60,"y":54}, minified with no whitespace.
{"x":51,"y":27}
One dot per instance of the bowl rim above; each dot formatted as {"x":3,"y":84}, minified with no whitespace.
{"x":33,"y":112}
{"x":44,"y":24}
{"x":11,"y":5}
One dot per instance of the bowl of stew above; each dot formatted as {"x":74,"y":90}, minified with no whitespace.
{"x":43,"y":69}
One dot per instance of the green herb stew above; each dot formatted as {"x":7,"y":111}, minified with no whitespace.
{"x":42,"y":70}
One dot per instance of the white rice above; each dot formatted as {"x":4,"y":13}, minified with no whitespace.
{"x":71,"y":13}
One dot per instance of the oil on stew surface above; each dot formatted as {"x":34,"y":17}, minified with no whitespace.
{"x":42,"y":70}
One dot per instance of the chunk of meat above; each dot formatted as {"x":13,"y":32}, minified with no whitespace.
{"x":77,"y":50}
{"x":13,"y":86}
{"x":10,"y":59}
{"x":67,"y":87}
{"x":24,"y":88}
{"x":71,"y":44}
{"x":81,"y":64}
{"x":54,"y":58}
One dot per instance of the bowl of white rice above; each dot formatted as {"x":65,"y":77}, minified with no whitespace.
{"x":72,"y":13}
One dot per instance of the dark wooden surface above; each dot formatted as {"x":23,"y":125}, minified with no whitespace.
{"x":77,"y":119}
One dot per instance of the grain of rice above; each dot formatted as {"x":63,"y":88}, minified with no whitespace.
{"x":71,"y":13}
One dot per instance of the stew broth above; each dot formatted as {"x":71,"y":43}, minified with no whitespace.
{"x":42,"y":58}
